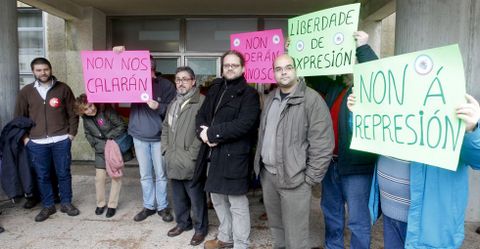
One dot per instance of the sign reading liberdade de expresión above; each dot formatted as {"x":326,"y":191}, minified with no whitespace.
{"x":322,"y":42}
{"x":405,"y":106}
{"x":260,"y":50}
{"x":117,"y":77}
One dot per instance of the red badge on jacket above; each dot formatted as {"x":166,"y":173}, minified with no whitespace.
{"x":54,"y":102}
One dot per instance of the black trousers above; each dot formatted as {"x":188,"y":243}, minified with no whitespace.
{"x":188,"y":199}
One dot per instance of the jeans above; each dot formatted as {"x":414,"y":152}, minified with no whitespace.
{"x":42,"y":156}
{"x":154,"y":188}
{"x":288,"y":212}
{"x":394,"y":233}
{"x":186,"y":198}
{"x":354,"y":190}
{"x":234,"y":216}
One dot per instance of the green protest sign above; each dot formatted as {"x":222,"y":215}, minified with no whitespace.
{"x":405,"y":106}
{"x":322,"y":42}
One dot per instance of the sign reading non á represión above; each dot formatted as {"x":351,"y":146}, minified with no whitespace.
{"x":405,"y":106}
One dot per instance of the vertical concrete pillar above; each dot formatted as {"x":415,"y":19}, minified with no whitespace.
{"x":428,"y":24}
{"x":86,"y":33}
{"x":9,"y":82}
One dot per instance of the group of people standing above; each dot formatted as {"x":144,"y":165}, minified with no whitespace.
{"x":207,"y":142}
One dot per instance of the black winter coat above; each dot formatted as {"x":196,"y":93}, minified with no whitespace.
{"x":233,"y":124}
{"x":16,"y":174}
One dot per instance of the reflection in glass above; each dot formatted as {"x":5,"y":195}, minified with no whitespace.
{"x":205,"y":69}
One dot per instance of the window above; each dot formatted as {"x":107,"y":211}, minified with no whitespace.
{"x":30,"y":41}
{"x":152,"y":34}
{"x":213,"y":35}
{"x":196,"y":42}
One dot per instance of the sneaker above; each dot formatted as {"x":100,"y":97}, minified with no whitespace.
{"x":45,"y":213}
{"x":166,"y":215}
{"x":110,"y":212}
{"x":142,"y":215}
{"x":69,"y":209}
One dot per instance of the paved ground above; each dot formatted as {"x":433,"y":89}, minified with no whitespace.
{"x":91,"y":231}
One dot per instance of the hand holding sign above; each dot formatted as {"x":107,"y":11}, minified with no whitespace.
{"x":351,"y":101}
{"x":469,"y":113}
{"x":118,"y":49}
{"x":152,"y":104}
{"x":361,"y":38}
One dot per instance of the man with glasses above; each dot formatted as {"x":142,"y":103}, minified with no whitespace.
{"x":227,"y":123}
{"x":180,"y":146}
{"x":294,"y":149}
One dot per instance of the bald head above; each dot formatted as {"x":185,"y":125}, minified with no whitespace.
{"x":283,"y":57}
{"x":285,"y":73}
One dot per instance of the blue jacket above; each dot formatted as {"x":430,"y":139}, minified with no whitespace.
{"x":438,"y":200}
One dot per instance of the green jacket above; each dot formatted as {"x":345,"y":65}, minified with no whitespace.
{"x":106,"y":124}
{"x":181,"y":147}
{"x":304,"y":140}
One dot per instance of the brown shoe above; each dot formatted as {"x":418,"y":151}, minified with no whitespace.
{"x":197,"y":239}
{"x":217,"y":244}
{"x":177,"y":231}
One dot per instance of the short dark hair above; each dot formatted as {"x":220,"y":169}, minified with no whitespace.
{"x":189,"y":70}
{"x":234,"y":52}
{"x":40,"y":61}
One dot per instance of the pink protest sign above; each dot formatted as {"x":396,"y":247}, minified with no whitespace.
{"x":260,"y":50}
{"x":117,"y":78}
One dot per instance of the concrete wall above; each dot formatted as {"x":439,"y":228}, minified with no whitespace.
{"x":87,"y":33}
{"x":8,"y":59}
{"x":428,"y":24}
{"x":56,"y":44}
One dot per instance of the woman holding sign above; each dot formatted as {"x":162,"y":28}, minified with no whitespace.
{"x":424,"y":206}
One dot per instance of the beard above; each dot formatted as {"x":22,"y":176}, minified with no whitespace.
{"x":49,"y":78}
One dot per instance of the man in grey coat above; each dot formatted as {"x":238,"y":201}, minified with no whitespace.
{"x":294,"y":149}
{"x":180,"y":146}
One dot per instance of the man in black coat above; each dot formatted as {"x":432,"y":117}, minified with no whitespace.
{"x":227,"y":123}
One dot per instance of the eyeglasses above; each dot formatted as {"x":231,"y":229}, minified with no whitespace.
{"x":287,"y":68}
{"x":182,"y":80}
{"x":232,"y":66}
